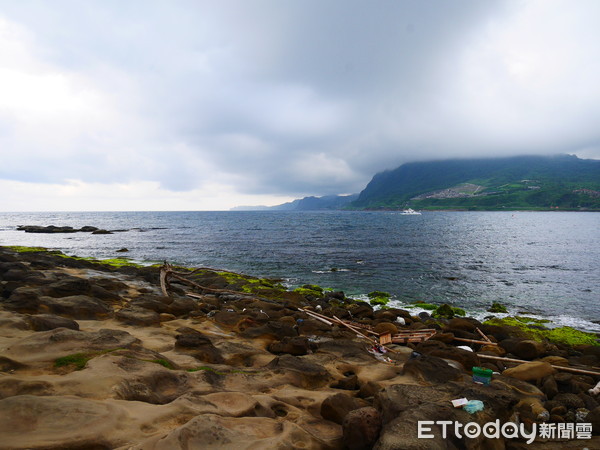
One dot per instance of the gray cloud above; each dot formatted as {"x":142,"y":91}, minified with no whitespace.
{"x":288,"y":98}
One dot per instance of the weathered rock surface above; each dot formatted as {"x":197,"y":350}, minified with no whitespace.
{"x":93,"y":356}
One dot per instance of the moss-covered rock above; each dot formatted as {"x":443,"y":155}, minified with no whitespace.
{"x":311,"y":290}
{"x":444,"y":311}
{"x":497,"y":308}
{"x":379,"y":301}
{"x":534,"y":329}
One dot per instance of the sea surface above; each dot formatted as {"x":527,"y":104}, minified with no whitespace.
{"x":540,"y":263}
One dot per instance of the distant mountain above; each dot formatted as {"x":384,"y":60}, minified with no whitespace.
{"x":326,"y":202}
{"x":522,"y":182}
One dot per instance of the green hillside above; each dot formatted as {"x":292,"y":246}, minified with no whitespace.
{"x":523,"y":182}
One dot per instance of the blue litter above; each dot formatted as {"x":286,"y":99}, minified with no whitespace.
{"x":473,"y":406}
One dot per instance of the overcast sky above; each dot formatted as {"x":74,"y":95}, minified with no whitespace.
{"x":205,"y":105}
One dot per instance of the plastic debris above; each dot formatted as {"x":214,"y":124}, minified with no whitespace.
{"x":459,"y":402}
{"x":473,"y":406}
{"x":482,"y":375}
{"x":465,"y":347}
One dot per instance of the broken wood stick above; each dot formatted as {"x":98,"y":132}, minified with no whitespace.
{"x":475,"y":341}
{"x":356,"y":330}
{"x":317,"y":316}
{"x":485,"y":338}
{"x":561,"y":368}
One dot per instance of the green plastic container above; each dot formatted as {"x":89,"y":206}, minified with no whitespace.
{"x":481,"y":375}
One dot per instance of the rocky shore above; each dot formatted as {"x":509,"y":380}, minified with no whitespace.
{"x":96,"y":356}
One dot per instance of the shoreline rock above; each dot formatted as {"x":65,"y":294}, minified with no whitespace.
{"x":238,"y":364}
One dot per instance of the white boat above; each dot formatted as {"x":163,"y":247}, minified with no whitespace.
{"x":410,"y":212}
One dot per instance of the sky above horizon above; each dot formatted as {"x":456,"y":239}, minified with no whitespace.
{"x":206,"y":105}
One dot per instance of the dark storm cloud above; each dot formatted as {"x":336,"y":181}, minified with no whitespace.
{"x":289,"y":98}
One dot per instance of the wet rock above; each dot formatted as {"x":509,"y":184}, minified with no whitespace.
{"x":102,"y":232}
{"x":46,"y":229}
{"x":45,"y":322}
{"x":424,"y":315}
{"x":336,"y":407}
{"x":123,"y":250}
{"x":432,"y":369}
{"x":534,"y":370}
{"x":361,"y":428}
{"x":528,"y":349}
{"x":135,"y":315}
{"x":77,"y":307}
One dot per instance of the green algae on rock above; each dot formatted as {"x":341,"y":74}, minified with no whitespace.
{"x":534,"y":329}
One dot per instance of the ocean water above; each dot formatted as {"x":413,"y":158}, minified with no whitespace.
{"x":541,"y":263}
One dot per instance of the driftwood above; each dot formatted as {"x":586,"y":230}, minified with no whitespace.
{"x":482,"y":334}
{"x":166,"y":272}
{"x":561,"y":368}
{"x":474,"y":341}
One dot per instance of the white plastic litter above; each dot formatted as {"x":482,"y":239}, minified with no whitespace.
{"x":459,"y":402}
